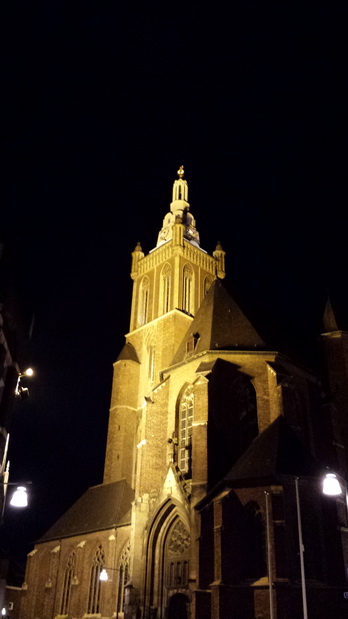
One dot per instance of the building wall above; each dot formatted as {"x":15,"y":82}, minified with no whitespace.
{"x":47,"y":566}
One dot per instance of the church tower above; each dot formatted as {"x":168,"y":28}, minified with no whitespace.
{"x":211,"y":420}
{"x":169,"y":285}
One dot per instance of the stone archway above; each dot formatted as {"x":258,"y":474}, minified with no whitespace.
{"x":178,"y":606}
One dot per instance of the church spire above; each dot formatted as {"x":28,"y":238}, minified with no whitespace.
{"x":179,"y":213}
{"x":180,"y":191}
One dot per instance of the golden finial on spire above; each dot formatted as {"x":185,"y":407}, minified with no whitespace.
{"x":181,"y":171}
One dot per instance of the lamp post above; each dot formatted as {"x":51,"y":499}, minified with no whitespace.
{"x":301,"y":547}
{"x":334,"y":486}
{"x":269,"y":557}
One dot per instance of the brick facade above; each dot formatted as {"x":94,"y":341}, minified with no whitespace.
{"x":194,"y":389}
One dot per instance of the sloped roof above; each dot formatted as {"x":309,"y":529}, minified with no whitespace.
{"x":99,"y":508}
{"x":128,"y":353}
{"x":221,"y":324}
{"x":277,"y":451}
{"x":274,"y":455}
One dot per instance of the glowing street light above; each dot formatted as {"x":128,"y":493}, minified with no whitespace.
{"x":28,"y":372}
{"x":331,"y":485}
{"x":23,"y":392}
{"x":19,"y":497}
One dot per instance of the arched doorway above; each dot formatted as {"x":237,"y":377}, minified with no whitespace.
{"x":178,"y":606}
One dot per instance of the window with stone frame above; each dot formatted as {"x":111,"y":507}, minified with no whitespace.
{"x":177,"y":556}
{"x":144,"y":301}
{"x":165,"y":289}
{"x":94,"y":582}
{"x":187,"y":291}
{"x":184,"y":431}
{"x":67,"y":582}
{"x":122,"y":580}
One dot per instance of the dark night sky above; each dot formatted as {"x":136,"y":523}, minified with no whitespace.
{"x":101,"y":104}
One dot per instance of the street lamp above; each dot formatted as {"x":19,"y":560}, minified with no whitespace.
{"x":332,"y":486}
{"x":19,"y":497}
{"x":23,"y":392}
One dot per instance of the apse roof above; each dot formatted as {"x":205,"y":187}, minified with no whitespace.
{"x":99,"y":508}
{"x":275,"y":454}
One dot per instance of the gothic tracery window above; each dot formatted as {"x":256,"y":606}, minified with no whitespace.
{"x":165,"y":289}
{"x":68,"y":577}
{"x":178,"y":546}
{"x":187,"y":291}
{"x":94,"y":582}
{"x":144,"y":301}
{"x":185,"y":429}
{"x":122,"y":579}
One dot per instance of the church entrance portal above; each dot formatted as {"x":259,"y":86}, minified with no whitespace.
{"x":178,"y":606}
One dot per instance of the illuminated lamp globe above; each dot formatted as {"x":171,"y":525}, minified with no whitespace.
{"x":331,"y":485}
{"x":29,"y":372}
{"x":19,"y":497}
{"x":103,"y":575}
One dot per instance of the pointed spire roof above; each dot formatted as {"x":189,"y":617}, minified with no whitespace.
{"x":128,"y":353}
{"x":220,"y":324}
{"x":329,"y":318}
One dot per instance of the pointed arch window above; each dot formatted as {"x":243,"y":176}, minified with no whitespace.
{"x":165,"y":288}
{"x":151,"y":367}
{"x":177,"y":551}
{"x":185,"y":430}
{"x":144,"y":301}
{"x":123,"y":579}
{"x":94,"y":582}
{"x":207,"y":283}
{"x":68,"y":578}
{"x":187,"y":291}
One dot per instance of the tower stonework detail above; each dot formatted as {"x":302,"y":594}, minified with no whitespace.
{"x":208,"y":417}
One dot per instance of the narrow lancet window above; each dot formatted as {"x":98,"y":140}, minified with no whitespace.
{"x":122,"y":580}
{"x":94,"y":583}
{"x":144,"y":301}
{"x":68,"y":577}
{"x":187,"y":293}
{"x":165,"y":289}
{"x":151,"y":353}
{"x":185,"y":430}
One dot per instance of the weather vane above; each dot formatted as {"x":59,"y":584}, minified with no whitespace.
{"x":181,"y":171}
